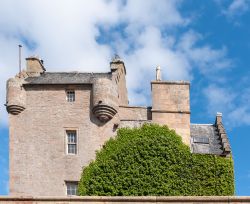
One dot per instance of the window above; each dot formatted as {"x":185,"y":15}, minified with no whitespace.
{"x":70,"y":95}
{"x":71,"y":187}
{"x":71,"y":142}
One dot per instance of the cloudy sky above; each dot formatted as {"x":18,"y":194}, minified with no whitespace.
{"x":206,"y":42}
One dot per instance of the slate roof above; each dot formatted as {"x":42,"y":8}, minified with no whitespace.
{"x":207,"y":139}
{"x":65,"y":78}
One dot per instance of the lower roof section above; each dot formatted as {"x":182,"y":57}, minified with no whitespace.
{"x":205,"y":139}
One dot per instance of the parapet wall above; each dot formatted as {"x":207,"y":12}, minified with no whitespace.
{"x":134,"y":113}
{"x":124,"y":200}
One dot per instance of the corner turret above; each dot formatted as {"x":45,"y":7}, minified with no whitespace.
{"x":16,"y":96}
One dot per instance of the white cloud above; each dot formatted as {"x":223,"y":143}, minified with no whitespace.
{"x":206,"y":58}
{"x":220,"y":99}
{"x":233,"y":105}
{"x":160,"y":13}
{"x":65,"y":34}
{"x":237,"y":7}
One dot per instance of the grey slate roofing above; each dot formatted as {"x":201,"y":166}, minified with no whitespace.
{"x":66,"y":78}
{"x":205,"y":139}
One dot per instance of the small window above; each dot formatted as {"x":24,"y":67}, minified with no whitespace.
{"x":71,"y":142}
{"x":71,"y":187}
{"x":70,"y":95}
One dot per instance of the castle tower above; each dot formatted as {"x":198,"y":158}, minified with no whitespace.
{"x":65,"y":117}
{"x":171,"y":106}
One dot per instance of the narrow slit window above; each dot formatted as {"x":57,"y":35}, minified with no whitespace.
{"x":71,"y":142}
{"x":70,"y":95}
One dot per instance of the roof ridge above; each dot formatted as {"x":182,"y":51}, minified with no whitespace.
{"x":76,"y":72}
{"x":202,"y":124}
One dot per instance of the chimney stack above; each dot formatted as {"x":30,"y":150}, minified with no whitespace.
{"x":34,"y":65}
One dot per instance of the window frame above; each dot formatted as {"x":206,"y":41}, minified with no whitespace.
{"x":70,"y":95}
{"x":67,"y":143}
{"x":72,"y":183}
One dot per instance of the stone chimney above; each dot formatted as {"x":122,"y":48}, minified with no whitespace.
{"x":34,"y":65}
{"x":171,"y":105}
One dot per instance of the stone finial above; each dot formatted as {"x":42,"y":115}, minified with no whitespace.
{"x":218,"y":117}
{"x":219,"y":114}
{"x":117,"y":63}
{"x":116,"y":58}
{"x":158,"y":73}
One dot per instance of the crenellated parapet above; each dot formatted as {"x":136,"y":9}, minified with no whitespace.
{"x":222,"y":135}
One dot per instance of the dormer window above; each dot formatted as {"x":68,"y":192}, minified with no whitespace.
{"x":70,"y":95}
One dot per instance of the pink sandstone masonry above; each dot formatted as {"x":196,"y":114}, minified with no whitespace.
{"x":40,"y":116}
{"x":126,"y":200}
{"x":171,"y":106}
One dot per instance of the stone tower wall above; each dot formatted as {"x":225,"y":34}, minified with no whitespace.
{"x":39,"y":163}
{"x":171,"y":106}
{"x":40,"y":115}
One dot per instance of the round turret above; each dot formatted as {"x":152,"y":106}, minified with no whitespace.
{"x":15,"y":100}
{"x":105,"y":99}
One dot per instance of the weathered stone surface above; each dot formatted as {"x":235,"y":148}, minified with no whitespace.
{"x":134,"y":113}
{"x":171,"y":106}
{"x":125,"y":200}
{"x":208,"y":131}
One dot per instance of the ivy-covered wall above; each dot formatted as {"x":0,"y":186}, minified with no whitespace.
{"x":152,"y":160}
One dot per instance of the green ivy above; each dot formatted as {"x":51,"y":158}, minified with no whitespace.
{"x":152,"y":160}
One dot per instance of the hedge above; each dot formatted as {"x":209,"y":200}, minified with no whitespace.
{"x":152,"y":160}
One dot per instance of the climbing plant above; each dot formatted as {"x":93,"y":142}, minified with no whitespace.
{"x":152,"y":160}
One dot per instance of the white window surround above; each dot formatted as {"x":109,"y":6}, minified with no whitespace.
{"x":71,"y":140}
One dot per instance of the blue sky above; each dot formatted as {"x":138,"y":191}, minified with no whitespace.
{"x":206,"y":42}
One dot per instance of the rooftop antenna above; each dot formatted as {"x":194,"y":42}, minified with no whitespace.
{"x":20,"y":57}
